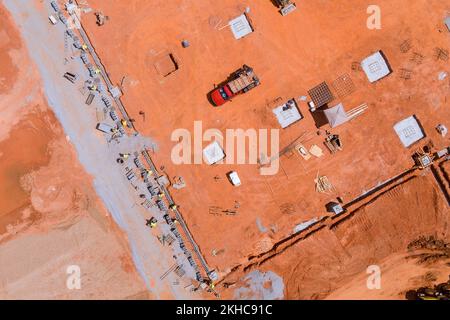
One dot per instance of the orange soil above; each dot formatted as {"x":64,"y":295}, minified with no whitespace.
{"x":399,"y":274}
{"x":47,"y":200}
{"x":9,"y":40}
{"x":332,"y":263}
{"x":320,"y":41}
{"x":16,"y":162}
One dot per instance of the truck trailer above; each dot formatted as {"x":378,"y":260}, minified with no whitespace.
{"x":286,"y":6}
{"x":239,"y":82}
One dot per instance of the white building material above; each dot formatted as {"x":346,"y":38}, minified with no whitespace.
{"x":234,"y":178}
{"x":213,"y":153}
{"x":375,"y":67}
{"x":287,"y":113}
{"x":240,"y":26}
{"x":104,"y":127}
{"x":305,"y":225}
{"x":336,"y":115}
{"x":409,"y":131}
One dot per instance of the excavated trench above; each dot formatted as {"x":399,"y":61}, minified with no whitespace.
{"x":355,"y":211}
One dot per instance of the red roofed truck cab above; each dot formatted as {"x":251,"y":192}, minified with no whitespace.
{"x":240,"y":81}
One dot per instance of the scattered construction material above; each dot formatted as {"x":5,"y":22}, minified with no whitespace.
{"x":179,"y":183}
{"x":240,"y":81}
{"x":233,"y":177}
{"x":316,"y":151}
{"x":264,"y":161}
{"x":52,"y":19}
{"x":357,"y":111}
{"x":152,"y":222}
{"x":442,"y":153}
{"x":335,"y":208}
{"x":286,"y":6}
{"x":288,"y":113}
{"x":115,"y":92}
{"x":447,"y":23}
{"x":185,"y":44}
{"x":405,"y":74}
{"x":305,"y":225}
{"x":100,"y":18}
{"x":303,"y":151}
{"x":333,"y":143}
{"x":179,"y":271}
{"x":240,"y":26}
{"x":323,"y":185}
{"x":70,"y":76}
{"x":344,"y":85}
{"x":71,"y":7}
{"x":376,"y":67}
{"x":442,"y":75}
{"x":336,"y":115}
{"x":409,"y":131}
{"x":405,"y":46}
{"x":162,"y":205}
{"x":166,"y":65}
{"x":163,"y":180}
{"x":55,"y":6}
{"x":166,"y":239}
{"x":423,"y":159}
{"x":442,"y":130}
{"x":311,"y":106}
{"x":90,"y":98}
{"x":441,"y":54}
{"x":130,"y":174}
{"x":62,"y":18}
{"x":213,"y":153}
{"x":100,"y":114}
{"x":321,"y":95}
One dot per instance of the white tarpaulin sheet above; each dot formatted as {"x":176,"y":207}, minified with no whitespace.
{"x":409,"y":131}
{"x":336,"y":115}
{"x":375,"y":67}
{"x":240,"y":26}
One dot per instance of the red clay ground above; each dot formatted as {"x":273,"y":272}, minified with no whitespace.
{"x":332,"y":262}
{"x":320,"y":41}
{"x":50,"y":217}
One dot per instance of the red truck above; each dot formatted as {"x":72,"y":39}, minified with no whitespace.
{"x":240,"y":81}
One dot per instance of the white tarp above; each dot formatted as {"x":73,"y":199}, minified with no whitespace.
{"x":287,"y":113}
{"x":240,"y":26}
{"x":336,"y":115}
{"x":375,"y":67}
{"x":213,"y":153}
{"x":234,"y":178}
{"x":305,"y":225}
{"x":447,"y":22}
{"x":409,"y":131}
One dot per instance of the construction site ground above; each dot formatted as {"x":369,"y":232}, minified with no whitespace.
{"x":50,"y":215}
{"x":332,"y":260}
{"x":320,"y":41}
